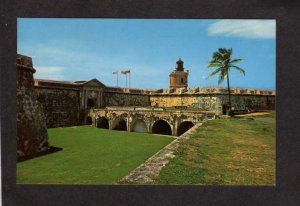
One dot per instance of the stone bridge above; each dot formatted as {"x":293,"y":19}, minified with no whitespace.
{"x":154,"y":121}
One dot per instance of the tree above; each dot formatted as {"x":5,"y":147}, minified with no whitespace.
{"x":222,"y":61}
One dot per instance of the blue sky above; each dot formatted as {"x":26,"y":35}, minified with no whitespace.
{"x":82,"y":49}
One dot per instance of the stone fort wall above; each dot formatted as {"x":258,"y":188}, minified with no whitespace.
{"x":67,"y":103}
{"x":215,"y":102}
{"x":32,"y":135}
{"x":60,"y":106}
{"x":126,"y":99}
{"x":61,"y":103}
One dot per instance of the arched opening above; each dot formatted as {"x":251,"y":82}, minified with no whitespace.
{"x":140,"y":126}
{"x":102,"y":122}
{"x":89,"y":121}
{"x":183,"y":127}
{"x":161,"y":127}
{"x":120,"y":124}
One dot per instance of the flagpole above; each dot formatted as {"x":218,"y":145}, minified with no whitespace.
{"x":125,"y":72}
{"x":117,"y":73}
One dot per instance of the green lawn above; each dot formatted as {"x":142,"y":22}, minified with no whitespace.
{"x":90,"y":156}
{"x":226,"y":152}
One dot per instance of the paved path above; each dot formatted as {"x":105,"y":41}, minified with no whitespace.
{"x":149,"y":170}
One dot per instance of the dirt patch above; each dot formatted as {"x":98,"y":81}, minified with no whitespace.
{"x":191,"y":152}
{"x":260,"y":170}
{"x":248,"y":142}
{"x":241,"y":155}
{"x":231,"y":166}
{"x":252,"y":114}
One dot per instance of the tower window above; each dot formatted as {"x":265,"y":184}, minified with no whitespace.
{"x":182,"y":80}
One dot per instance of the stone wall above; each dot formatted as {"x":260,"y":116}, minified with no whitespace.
{"x":125,"y":99}
{"x":203,"y":102}
{"x":214,"y":102}
{"x":249,"y":102}
{"x":61,"y":106}
{"x":32,"y":135}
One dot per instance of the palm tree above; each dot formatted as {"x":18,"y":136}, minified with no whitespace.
{"x":222,"y":60}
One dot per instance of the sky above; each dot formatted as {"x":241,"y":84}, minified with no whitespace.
{"x":82,"y":49}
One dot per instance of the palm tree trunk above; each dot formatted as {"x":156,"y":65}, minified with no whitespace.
{"x":229,"y":93}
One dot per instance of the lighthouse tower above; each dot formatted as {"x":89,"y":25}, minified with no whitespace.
{"x":179,"y":76}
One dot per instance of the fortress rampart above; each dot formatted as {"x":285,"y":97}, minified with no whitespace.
{"x":32,"y":135}
{"x":67,"y":103}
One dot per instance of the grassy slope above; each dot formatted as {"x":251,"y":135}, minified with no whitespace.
{"x":226,"y":151}
{"x":90,"y":156}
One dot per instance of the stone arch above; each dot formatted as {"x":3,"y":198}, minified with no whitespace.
{"x":119,"y":124}
{"x":184,"y":126}
{"x":139,"y":125}
{"x":161,"y":127}
{"x":102,"y":122}
{"x":89,"y":121}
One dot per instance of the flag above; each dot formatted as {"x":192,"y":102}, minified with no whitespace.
{"x":115,"y":72}
{"x":125,"y":71}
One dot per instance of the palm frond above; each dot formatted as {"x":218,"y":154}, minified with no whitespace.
{"x":215,"y":72}
{"x":239,"y":69}
{"x":215,"y":61}
{"x":217,"y":56}
{"x":222,"y":76}
{"x":220,"y":80}
{"x":236,"y":60}
{"x":214,"y":64}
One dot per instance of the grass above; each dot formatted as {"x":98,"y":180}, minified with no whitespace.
{"x":90,"y":156}
{"x":226,"y":152}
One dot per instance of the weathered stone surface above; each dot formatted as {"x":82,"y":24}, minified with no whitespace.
{"x":175,"y":121}
{"x":215,"y":102}
{"x":32,"y":136}
{"x":249,"y":102}
{"x":203,"y":102}
{"x":60,"y":106}
{"x":126,"y":99}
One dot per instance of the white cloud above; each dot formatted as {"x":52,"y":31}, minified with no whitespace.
{"x":52,"y":72}
{"x":264,"y":29}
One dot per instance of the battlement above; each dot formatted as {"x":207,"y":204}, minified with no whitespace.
{"x":169,"y":91}
{"x":218,"y":90}
{"x":24,"y":60}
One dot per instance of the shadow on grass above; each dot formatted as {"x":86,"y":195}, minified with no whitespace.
{"x":49,"y":151}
